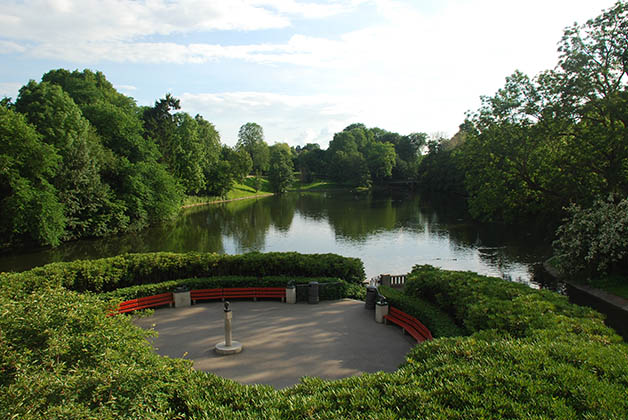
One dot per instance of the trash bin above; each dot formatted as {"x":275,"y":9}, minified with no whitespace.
{"x":291,"y":293}
{"x":312,"y":293}
{"x":371,"y":297}
{"x":181,"y":295}
{"x":381,"y":310}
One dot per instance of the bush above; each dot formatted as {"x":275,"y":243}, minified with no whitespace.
{"x":61,"y":357}
{"x":479,"y":303}
{"x":594,"y":241}
{"x":126,"y":270}
{"x":330,"y":288}
{"x":438,"y":322}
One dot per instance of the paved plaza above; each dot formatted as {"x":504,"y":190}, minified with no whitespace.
{"x":282,"y":342}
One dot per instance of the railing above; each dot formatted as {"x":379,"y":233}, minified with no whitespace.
{"x":396,"y":281}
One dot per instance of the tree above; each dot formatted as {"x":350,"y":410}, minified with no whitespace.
{"x":90,"y":207}
{"x":251,"y":139}
{"x":381,"y":160}
{"x":540,"y":144}
{"x":280,"y":172}
{"x":28,"y":202}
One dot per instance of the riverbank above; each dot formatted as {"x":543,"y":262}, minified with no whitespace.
{"x":246,"y":191}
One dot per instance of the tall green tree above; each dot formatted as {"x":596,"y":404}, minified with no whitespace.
{"x":280,"y":172}
{"x":251,"y":139}
{"x":90,"y":207}
{"x":540,"y":144}
{"x":31,"y":211}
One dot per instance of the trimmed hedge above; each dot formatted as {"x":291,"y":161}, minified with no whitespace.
{"x":126,"y":270}
{"x":61,"y":357}
{"x":438,"y":322}
{"x":330,"y":288}
{"x":479,"y":303}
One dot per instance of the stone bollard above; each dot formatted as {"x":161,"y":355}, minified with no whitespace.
{"x":381,"y":310}
{"x":181,"y":296}
{"x":291,"y":294}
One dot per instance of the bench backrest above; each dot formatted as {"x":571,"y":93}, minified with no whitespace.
{"x":412,"y":321}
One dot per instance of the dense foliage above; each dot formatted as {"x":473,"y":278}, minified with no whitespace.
{"x":438,"y":322}
{"x":360,"y":156}
{"x":105,"y":165}
{"x":540,"y":144}
{"x":126,"y":270}
{"x":594,"y":241}
{"x":329,"y":288}
{"x":530,"y":355}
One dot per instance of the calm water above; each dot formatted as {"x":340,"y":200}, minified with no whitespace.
{"x":389,"y":232}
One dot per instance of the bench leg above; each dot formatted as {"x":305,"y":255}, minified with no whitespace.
{"x":254,"y":299}
{"x":403,"y":331}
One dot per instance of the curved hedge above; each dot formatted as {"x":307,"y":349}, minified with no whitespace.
{"x":530,"y":355}
{"x":329,"y":289}
{"x":126,"y":270}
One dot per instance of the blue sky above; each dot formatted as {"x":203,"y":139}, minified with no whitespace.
{"x":303,"y":70}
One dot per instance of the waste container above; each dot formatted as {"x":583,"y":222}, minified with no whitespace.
{"x":312,"y":292}
{"x":291,"y":293}
{"x":381,"y":310}
{"x":181,"y":295}
{"x":371,"y":297}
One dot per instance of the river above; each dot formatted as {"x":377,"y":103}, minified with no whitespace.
{"x":390,"y":232}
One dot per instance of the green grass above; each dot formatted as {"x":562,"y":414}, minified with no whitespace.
{"x":316,"y":186}
{"x":243,"y":190}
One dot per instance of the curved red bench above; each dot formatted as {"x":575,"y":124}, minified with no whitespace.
{"x":202,"y":294}
{"x":408,"y":324}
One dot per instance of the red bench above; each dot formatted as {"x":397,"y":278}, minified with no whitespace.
{"x":238,"y":292}
{"x":205,"y":294}
{"x":146,"y":302}
{"x":270,"y":292}
{"x":408,"y":324}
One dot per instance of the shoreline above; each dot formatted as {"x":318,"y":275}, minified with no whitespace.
{"x":187,"y":206}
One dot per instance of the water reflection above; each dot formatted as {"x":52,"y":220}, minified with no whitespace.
{"x":390,"y":232}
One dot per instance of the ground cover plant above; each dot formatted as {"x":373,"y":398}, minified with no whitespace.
{"x":527,"y":354}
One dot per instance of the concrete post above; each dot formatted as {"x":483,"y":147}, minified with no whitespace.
{"x":181,"y":297}
{"x":228,"y":316}
{"x":228,"y":346}
{"x":291,"y":294}
{"x":381,"y":310}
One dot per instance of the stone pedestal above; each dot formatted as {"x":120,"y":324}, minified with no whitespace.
{"x":228,"y":346}
{"x":181,"y":299}
{"x":291,"y":295}
{"x":381,"y":310}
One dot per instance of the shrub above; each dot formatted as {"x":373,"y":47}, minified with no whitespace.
{"x":126,"y":270}
{"x":594,"y":241}
{"x":438,"y":322}
{"x":330,"y":288}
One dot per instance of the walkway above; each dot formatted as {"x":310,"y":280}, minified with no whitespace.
{"x":282,"y":342}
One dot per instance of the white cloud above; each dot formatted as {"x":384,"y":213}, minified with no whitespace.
{"x":7,"y":47}
{"x":9,"y":89}
{"x":126,"y":87}
{"x":285,"y":118}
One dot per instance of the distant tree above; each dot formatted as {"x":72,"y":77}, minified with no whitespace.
{"x":251,"y":139}
{"x":280,"y":172}
{"x":381,"y":160}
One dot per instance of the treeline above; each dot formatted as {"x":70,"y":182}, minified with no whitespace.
{"x":360,"y":157}
{"x":79,"y":159}
{"x":553,"y":147}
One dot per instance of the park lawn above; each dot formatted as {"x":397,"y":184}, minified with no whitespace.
{"x":316,"y":186}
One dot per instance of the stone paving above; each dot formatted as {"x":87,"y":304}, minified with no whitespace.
{"x":282,"y":342}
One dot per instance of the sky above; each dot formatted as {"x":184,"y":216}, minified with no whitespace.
{"x":303,"y":70}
